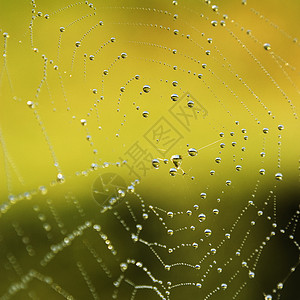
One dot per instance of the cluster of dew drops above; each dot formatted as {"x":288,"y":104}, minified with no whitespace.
{"x":177,"y":159}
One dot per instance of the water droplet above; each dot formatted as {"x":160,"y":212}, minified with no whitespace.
{"x":201,"y":217}
{"x":173,"y":171}
{"x":176,"y":160}
{"x":215,"y":8}
{"x":238,"y":167}
{"x":195,"y":245}
{"x":224,"y":286}
{"x":265,"y":130}
{"x":60,"y":177}
{"x":203,"y":195}
{"x":121,"y":193}
{"x":112,"y":201}
{"x":174,"y":97}
{"x":207,"y":232}
{"x":130,"y":189}
{"x":278,"y":176}
{"x":280,"y":285}
{"x":77,"y":44}
{"x":227,"y":236}
{"x":146,"y":88}
{"x":123,"y":267}
{"x":218,"y":160}
{"x":190,"y":103}
{"x":214,"y":23}
{"x":262,"y":171}
{"x":123,"y":55}
{"x":192,"y":152}
{"x":62,"y":29}
{"x":145,"y":114}
{"x":170,"y":214}
{"x":215,"y":211}
{"x":83,"y":122}
{"x":267,"y":46}
{"x":251,"y":274}
{"x":244,"y":264}
{"x":43,"y":190}
{"x":30,"y":104}
{"x":268,"y":297}
{"x":155,"y":163}
{"x":280,"y":127}
{"x":170,"y":232}
{"x":174,"y":83}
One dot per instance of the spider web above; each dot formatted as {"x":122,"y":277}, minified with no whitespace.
{"x":149,"y":149}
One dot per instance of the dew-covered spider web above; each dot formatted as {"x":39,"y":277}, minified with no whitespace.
{"x":149,"y":149}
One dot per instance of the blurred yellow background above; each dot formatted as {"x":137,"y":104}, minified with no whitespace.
{"x":63,"y":119}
